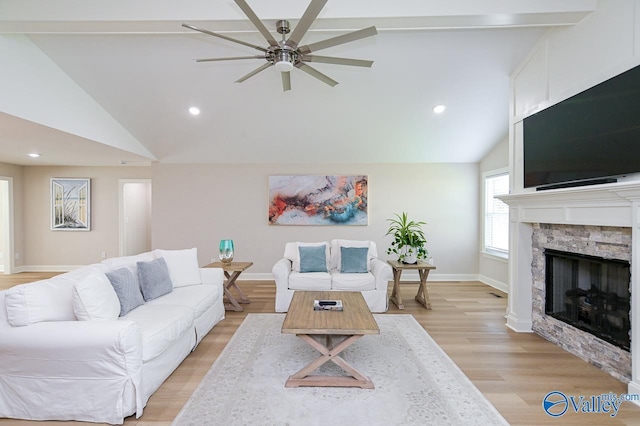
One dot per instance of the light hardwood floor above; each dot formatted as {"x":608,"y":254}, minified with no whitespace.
{"x":513,"y":370}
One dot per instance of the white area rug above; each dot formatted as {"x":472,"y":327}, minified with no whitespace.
{"x":416,"y":383}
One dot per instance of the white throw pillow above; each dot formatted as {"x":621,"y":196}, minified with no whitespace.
{"x":295,"y":256}
{"x":183,"y":266}
{"x":94,"y":299}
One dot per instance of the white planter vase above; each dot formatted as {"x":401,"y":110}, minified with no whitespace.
{"x":410,"y":254}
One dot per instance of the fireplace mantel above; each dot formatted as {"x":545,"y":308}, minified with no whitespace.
{"x":603,"y":205}
{"x":615,"y":204}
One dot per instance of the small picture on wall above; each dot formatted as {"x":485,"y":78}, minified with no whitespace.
{"x":70,"y":204}
{"x":318,"y":200}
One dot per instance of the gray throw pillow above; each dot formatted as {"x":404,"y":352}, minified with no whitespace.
{"x":354,"y":260}
{"x":154,"y":279}
{"x":313,"y":258}
{"x":126,"y":286}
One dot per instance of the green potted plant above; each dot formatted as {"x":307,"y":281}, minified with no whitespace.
{"x":408,"y":239}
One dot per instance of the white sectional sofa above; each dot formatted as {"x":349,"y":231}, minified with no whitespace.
{"x":301,"y":269}
{"x":67,"y":353}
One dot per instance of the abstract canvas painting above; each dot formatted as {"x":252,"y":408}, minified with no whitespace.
{"x":318,"y":200}
{"x":70,"y":204}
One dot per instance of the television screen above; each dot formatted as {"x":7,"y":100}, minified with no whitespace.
{"x":594,"y":134}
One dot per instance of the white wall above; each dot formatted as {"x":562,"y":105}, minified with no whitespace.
{"x":493,"y":270}
{"x":197,"y":205}
{"x":45,"y":249}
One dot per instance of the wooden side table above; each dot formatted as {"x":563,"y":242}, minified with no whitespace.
{"x":232,"y":271}
{"x":423,"y":269}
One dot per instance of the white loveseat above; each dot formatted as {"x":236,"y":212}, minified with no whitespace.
{"x":371,"y":278}
{"x":64,"y":355}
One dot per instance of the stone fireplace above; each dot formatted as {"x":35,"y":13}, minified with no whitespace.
{"x":587,"y":321}
{"x":599,"y":220}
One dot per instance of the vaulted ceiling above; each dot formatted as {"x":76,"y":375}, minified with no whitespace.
{"x":106,"y":83}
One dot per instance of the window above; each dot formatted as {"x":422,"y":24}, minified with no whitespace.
{"x":496,"y":214}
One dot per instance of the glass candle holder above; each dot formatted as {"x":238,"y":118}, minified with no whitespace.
{"x":226,"y":251}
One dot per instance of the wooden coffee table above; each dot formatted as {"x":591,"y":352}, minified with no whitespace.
{"x":354,"y":322}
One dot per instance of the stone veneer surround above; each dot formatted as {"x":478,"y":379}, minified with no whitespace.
{"x":606,"y":242}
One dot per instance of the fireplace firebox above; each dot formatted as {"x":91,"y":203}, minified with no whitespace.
{"x":590,"y":293}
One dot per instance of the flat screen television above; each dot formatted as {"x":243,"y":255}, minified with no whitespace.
{"x":586,"y":138}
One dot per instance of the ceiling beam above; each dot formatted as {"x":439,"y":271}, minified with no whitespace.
{"x":152,"y":16}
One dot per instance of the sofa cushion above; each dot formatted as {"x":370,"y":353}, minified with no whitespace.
{"x":310,"y":281}
{"x":291,"y":252}
{"x":154,"y":279}
{"x":126,"y":286}
{"x":353,"y":259}
{"x":198,"y":297}
{"x":46,"y":300}
{"x":183,"y":266}
{"x":352,"y":282}
{"x":335,"y":251}
{"x":94,"y":299}
{"x":313,"y":258}
{"x":160,"y":326}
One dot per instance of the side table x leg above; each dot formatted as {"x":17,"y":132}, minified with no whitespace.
{"x":423,"y":294}
{"x":396,"y":297}
{"x":234,"y":304}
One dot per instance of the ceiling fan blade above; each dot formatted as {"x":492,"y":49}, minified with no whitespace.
{"x":254,"y":72}
{"x":305,"y":22}
{"x":317,"y":74}
{"x":244,"y":43}
{"x":341,"y":39}
{"x":256,"y":22}
{"x":229,"y":59}
{"x":286,"y":81}
{"x":338,"y":61}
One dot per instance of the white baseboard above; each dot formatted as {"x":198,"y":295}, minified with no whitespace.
{"x":498,"y":285}
{"x":519,"y":326}
{"x":47,"y":268}
{"x":248,"y":276}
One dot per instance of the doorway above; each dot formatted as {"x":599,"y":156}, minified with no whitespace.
{"x":135,"y":216}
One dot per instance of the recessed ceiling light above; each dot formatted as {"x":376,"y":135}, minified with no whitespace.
{"x":34,"y":155}
{"x":439,"y":109}
{"x":194,"y":110}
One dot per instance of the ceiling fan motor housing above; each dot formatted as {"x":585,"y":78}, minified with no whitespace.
{"x":284,"y":59}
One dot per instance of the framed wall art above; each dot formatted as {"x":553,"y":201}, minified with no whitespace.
{"x":70,"y":204}
{"x":318,"y":200}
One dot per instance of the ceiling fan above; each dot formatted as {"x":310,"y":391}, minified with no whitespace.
{"x":287,"y":54}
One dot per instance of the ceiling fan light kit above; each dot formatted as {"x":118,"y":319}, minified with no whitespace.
{"x":286,"y":54}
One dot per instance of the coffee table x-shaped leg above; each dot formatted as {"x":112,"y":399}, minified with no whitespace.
{"x":329,"y":353}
